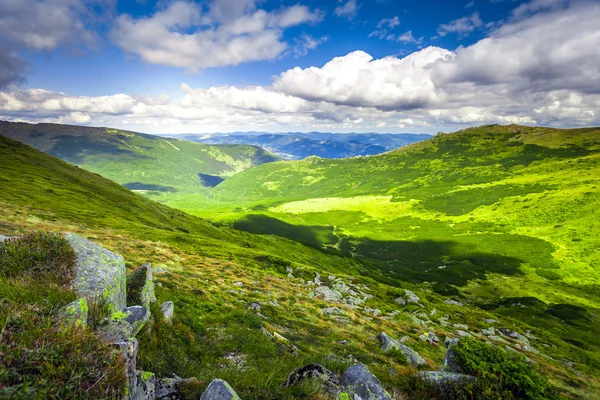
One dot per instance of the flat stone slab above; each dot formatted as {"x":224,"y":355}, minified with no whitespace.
{"x":99,"y":274}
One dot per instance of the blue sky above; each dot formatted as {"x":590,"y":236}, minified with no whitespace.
{"x":229,"y":65}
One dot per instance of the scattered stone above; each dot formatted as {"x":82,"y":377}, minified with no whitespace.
{"x":124,"y":324}
{"x":219,"y":390}
{"x":372,"y":311}
{"x":488,"y":332}
{"x":400,"y":301}
{"x":490,"y":321}
{"x":238,"y":284}
{"x":450,"y":341}
{"x":497,"y":338}
{"x":433,"y":312}
{"x":266,"y":333}
{"x":340,"y":287}
{"x":332,"y":311}
{"x":462,"y":333}
{"x":74,"y":314}
{"x":359,"y":383}
{"x":237,"y":360}
{"x":328,"y":294}
{"x":394,"y":313}
{"x":99,"y":273}
{"x":439,"y":377}
{"x":461,"y":326}
{"x":343,"y":342}
{"x":430,"y":338}
{"x":317,"y":279}
{"x":353,"y":301}
{"x":453,"y":302}
{"x":529,"y":335}
{"x":274,"y":303}
{"x":418,"y":321}
{"x":254,"y":306}
{"x":513,"y":335}
{"x":449,"y":364}
{"x":279,"y":337}
{"x":167,"y":308}
{"x":4,"y":238}
{"x":313,"y":371}
{"x":388,"y":344}
{"x":411,"y":297}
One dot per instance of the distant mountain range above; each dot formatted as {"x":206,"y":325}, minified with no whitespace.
{"x":297,"y":145}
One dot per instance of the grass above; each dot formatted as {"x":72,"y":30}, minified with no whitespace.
{"x":38,"y":359}
{"x":490,"y":257}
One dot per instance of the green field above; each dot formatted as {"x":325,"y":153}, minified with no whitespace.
{"x":502,"y":219}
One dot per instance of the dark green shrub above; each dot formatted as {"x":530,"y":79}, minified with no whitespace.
{"x":135,"y":284}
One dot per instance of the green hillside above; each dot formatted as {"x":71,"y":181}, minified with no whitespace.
{"x":213,"y":274}
{"x":155,"y":166}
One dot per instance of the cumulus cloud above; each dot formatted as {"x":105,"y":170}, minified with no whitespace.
{"x":462,"y":26}
{"x":348,"y":9}
{"x":231,"y":33}
{"x":304,"y":43}
{"x":543,"y":69}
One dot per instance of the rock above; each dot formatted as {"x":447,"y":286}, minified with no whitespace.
{"x":514,"y":335}
{"x":449,"y":364}
{"x":400,"y":301}
{"x":450,"y":341}
{"x":128,"y":350}
{"x":332,"y":311}
{"x":462,"y":333}
{"x":388,"y":344}
{"x":313,"y":371}
{"x":488,"y":331}
{"x":238,"y":284}
{"x":167,"y":388}
{"x":144,"y":387}
{"x":490,"y":321}
{"x":279,"y":337}
{"x":74,"y":314}
{"x":266,"y":333}
{"x":99,"y":273}
{"x":497,"y":338}
{"x":353,"y":301}
{"x":433,"y":312}
{"x":254,"y":306}
{"x":461,"y":326}
{"x":274,"y":303}
{"x":140,"y":286}
{"x":219,"y":390}
{"x":167,"y":309}
{"x":340,"y":287}
{"x":453,"y":302}
{"x":317,"y":279}
{"x":411,"y":297}
{"x":440,"y":378}
{"x":359,"y":383}
{"x":4,"y":238}
{"x":124,"y":324}
{"x":237,"y":360}
{"x":372,"y":311}
{"x":328,"y":294}
{"x":430,"y":337}
{"x":343,"y":342}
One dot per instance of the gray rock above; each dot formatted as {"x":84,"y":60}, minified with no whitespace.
{"x":462,"y":333}
{"x":514,"y":335}
{"x":266,"y":333}
{"x":274,"y":303}
{"x":254,"y":306}
{"x":372,"y":311}
{"x":490,"y":321}
{"x":238,"y":284}
{"x":450,"y":341}
{"x":144,"y":387}
{"x":450,"y":364}
{"x":353,"y":301}
{"x":411,"y":297}
{"x":488,"y":331}
{"x":313,"y":371}
{"x":74,"y":314}
{"x":128,"y":350}
{"x":430,"y":337}
{"x":167,"y":388}
{"x":219,"y":390}
{"x":453,"y":302}
{"x":99,"y":273}
{"x":440,"y":378}
{"x":4,"y":238}
{"x":461,"y":326}
{"x":359,"y":384}
{"x":497,"y":338}
{"x":328,"y":294}
{"x":401,"y":301}
{"x":343,"y":342}
{"x":332,"y":311}
{"x":167,"y":308}
{"x":146,"y":288}
{"x":124,"y":324}
{"x":388,"y":344}
{"x":340,"y":287}
{"x":317,"y":279}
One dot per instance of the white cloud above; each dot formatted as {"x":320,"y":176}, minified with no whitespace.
{"x":543,"y":69}
{"x":384,"y":26}
{"x":407,"y":37}
{"x":348,"y":9}
{"x":304,"y":43}
{"x":462,"y":26}
{"x":232,"y":33}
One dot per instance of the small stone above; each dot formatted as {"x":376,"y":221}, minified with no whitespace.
{"x":274,"y":303}
{"x":332,"y":311}
{"x":462,"y":333}
{"x":238,"y":284}
{"x":266,"y":333}
{"x":317,"y":279}
{"x":439,"y":377}
{"x":453,"y":303}
{"x":400,"y":301}
{"x":411,"y":297}
{"x":496,"y":338}
{"x":343,"y":342}
{"x":124,"y":324}
{"x":450,"y":341}
{"x":167,"y":308}
{"x":488,"y":331}
{"x":312,"y":371}
{"x":359,"y":383}
{"x":490,"y":321}
{"x":280,"y":338}
{"x":254,"y":306}
{"x":328,"y":294}
{"x":219,"y":390}
{"x":461,"y":326}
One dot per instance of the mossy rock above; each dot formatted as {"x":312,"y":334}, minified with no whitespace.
{"x":74,"y":314}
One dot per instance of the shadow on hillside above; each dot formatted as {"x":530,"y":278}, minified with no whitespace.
{"x":76,"y":149}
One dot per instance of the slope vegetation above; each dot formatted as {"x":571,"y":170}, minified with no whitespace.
{"x":150,"y":164}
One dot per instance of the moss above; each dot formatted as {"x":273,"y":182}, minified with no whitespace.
{"x":146,"y":375}
{"x":119,"y":315}
{"x":343,"y":396}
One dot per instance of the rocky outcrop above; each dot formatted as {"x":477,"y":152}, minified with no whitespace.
{"x":99,"y":273}
{"x":389,"y":344}
{"x":74,"y":314}
{"x":219,"y":390}
{"x":359,"y":383}
{"x":144,"y":387}
{"x":124,"y":324}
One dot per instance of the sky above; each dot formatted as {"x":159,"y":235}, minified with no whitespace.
{"x":179,"y":66}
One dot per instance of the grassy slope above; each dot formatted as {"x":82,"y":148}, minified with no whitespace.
{"x":211,"y":320}
{"x":168,"y":167}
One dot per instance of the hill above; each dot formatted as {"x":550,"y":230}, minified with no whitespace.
{"x":216,"y":275}
{"x":295,"y":146}
{"x":149,"y":164}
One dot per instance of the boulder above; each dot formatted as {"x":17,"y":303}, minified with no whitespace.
{"x":449,"y":364}
{"x":441,"y":378}
{"x":99,"y":273}
{"x":389,"y":344}
{"x":219,"y":390}
{"x":124,"y":324}
{"x":144,"y":386}
{"x":167,"y":309}
{"x":411,"y":297}
{"x":140,"y":286}
{"x":359,"y":383}
{"x":328,"y":294}
{"x":313,"y":371}
{"x":74,"y":314}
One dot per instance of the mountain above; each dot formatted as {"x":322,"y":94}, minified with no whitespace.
{"x":150,"y":164}
{"x":295,"y":146}
{"x":400,"y":267}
